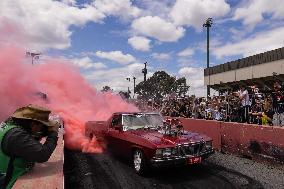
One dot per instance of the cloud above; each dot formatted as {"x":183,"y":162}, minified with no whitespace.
{"x":195,"y":78}
{"x":161,"y":56}
{"x":187,"y":61}
{"x":186,"y":52}
{"x":156,"y":8}
{"x":158,"y":28}
{"x":257,"y":43}
{"x":116,"y":56}
{"x":44,"y":24}
{"x":116,"y":77}
{"x":252,"y":12}
{"x":120,"y":8}
{"x":237,"y":34}
{"x":140,"y":43}
{"x":99,"y":65}
{"x":69,"y":2}
{"x":195,"y":12}
{"x":85,"y":63}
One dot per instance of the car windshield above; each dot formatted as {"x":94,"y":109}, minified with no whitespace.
{"x":139,"y":121}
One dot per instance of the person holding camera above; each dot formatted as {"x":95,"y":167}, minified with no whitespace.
{"x":20,"y":145}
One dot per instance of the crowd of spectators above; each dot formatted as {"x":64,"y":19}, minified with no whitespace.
{"x":246,"y":105}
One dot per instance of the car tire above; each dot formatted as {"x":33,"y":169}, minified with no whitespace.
{"x":139,"y":162}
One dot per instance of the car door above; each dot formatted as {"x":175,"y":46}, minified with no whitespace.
{"x":118,"y":138}
{"x":114,"y":134}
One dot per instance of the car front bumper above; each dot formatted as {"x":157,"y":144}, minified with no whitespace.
{"x":179,"y":160}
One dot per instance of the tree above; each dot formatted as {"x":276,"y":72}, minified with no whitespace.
{"x":124,"y":95}
{"x":160,"y":85}
{"x":106,"y":89}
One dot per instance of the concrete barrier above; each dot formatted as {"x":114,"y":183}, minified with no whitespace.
{"x":48,"y":175}
{"x":254,"y":141}
{"x":207,"y":127}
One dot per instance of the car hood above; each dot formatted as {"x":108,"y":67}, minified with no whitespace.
{"x":159,"y":138}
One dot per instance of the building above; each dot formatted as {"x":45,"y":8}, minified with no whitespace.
{"x":261,"y":69}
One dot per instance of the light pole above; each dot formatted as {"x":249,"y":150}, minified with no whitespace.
{"x":33,"y":55}
{"x":134,"y":78}
{"x":128,"y":79}
{"x":208,"y":24}
{"x":144,"y":71}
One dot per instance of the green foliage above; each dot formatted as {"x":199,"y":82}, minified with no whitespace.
{"x":106,"y":88}
{"x":160,"y":85}
{"x":124,"y":94}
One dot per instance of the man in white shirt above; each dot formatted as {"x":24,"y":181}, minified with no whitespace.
{"x":245,"y":103}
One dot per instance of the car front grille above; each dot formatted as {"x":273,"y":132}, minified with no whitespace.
{"x":192,"y":149}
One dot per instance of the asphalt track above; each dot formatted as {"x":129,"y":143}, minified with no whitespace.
{"x":88,"y":171}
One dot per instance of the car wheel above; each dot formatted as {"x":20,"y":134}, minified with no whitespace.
{"x":139,"y":162}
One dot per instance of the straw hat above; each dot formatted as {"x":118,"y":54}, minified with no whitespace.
{"x":36,"y":113}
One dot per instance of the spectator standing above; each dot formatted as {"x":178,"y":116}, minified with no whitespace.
{"x":245,"y":104}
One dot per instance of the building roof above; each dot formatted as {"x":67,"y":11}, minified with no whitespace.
{"x":261,"y":58}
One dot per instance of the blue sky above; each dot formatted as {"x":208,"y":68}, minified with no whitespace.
{"x":111,"y":39}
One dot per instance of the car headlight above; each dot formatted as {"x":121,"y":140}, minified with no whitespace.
{"x":174,"y":151}
{"x":166,"y":152}
{"x":208,"y":144}
{"x":159,"y":153}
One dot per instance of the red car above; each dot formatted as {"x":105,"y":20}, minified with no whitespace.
{"x":149,"y":141}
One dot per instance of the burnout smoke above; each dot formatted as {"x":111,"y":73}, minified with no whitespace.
{"x":68,"y":94}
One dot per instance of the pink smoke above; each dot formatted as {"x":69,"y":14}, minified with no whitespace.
{"x":69,"y":94}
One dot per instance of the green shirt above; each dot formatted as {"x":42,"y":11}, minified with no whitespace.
{"x":20,"y":165}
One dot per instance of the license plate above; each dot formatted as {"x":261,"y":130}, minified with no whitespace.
{"x":194,"y":160}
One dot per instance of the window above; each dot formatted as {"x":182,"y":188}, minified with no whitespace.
{"x":116,"y":120}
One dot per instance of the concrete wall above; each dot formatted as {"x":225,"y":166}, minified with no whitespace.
{"x":256,"y":71}
{"x":209,"y":128}
{"x":254,"y":141}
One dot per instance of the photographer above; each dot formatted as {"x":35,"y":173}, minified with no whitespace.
{"x":20,"y":137}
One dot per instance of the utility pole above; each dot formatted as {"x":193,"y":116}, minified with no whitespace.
{"x":128,"y":91}
{"x":208,"y":24}
{"x":144,"y":71}
{"x":134,"y":78}
{"x":33,"y":55}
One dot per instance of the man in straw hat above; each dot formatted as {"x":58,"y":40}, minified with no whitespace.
{"x":20,"y":143}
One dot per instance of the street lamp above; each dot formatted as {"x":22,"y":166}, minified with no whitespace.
{"x":144,"y":71}
{"x":208,"y":24}
{"x":33,"y":55}
{"x":134,"y":78}
{"x":128,"y":79}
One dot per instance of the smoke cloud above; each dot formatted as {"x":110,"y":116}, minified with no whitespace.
{"x":68,"y":94}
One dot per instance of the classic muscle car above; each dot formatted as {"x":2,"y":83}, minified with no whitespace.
{"x":150,"y":141}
